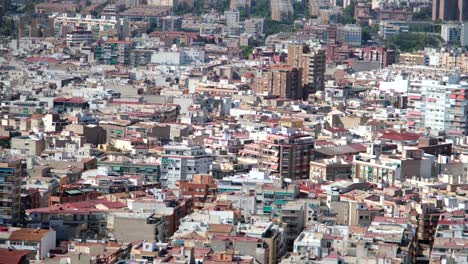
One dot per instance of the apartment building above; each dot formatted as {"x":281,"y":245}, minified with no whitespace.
{"x":350,"y":34}
{"x":182,"y":161}
{"x":282,"y":81}
{"x":40,"y":241}
{"x":438,"y":105}
{"x":11,"y":176}
{"x":78,"y":37}
{"x":451,"y":32}
{"x":312,"y":64}
{"x":113,"y":52}
{"x":450,"y":239}
{"x":287,"y":155}
{"x":293,"y":219}
{"x":240,"y":5}
{"x":386,"y":169}
{"x":449,"y":10}
{"x":281,"y":10}
{"x":28,"y":145}
{"x":115,"y":129}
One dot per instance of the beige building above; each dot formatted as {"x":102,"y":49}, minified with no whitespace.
{"x":240,"y":5}
{"x":283,"y":81}
{"x":314,"y":8}
{"x":312,"y":63}
{"x":330,"y":170}
{"x":412,"y":59}
{"x":452,"y":61}
{"x":28,"y":145}
{"x":281,"y":10}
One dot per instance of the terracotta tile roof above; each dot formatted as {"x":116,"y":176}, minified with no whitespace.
{"x":13,"y":256}
{"x":220,"y":228}
{"x":85,"y":207}
{"x":396,"y":136}
{"x":28,"y":234}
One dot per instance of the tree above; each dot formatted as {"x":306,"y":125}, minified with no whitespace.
{"x":273,"y":27}
{"x":348,"y":14}
{"x":260,"y":8}
{"x":423,"y":15}
{"x":409,"y":42}
{"x":7,"y":27}
{"x":368,"y":32}
{"x":247,"y":50}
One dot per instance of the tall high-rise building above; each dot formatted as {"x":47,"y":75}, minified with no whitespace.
{"x":438,"y":105}
{"x":313,"y":71}
{"x":10,"y":194}
{"x":312,"y":63}
{"x":282,"y":10}
{"x":450,"y":10}
{"x":283,"y":81}
{"x":295,"y":52}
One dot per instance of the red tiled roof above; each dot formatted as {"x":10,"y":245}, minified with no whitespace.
{"x":234,"y":238}
{"x":84,"y":207}
{"x":13,"y":256}
{"x":41,"y":59}
{"x":337,"y":130}
{"x":70,"y":100}
{"x":393,"y":135}
{"x":384,"y":219}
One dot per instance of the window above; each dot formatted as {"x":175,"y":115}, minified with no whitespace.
{"x":31,"y":244}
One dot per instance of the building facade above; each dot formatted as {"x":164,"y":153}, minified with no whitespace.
{"x":11,"y":175}
{"x":181,"y":162}
{"x":282,"y":81}
{"x":438,"y":105}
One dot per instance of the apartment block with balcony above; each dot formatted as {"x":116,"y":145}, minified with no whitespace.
{"x":387,"y":169}
{"x":312,"y":62}
{"x":440,"y":105}
{"x":11,"y":175}
{"x":114,"y":52}
{"x":180,"y":162}
{"x":451,"y":238}
{"x":293,"y":219}
{"x":282,"y":80}
{"x":288,"y":156}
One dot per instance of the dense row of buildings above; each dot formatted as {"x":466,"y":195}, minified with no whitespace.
{"x":129,"y":134}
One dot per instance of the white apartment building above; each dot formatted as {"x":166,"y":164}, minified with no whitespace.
{"x":350,"y":34}
{"x":178,"y":56}
{"x":451,"y":32}
{"x":181,"y":162}
{"x":41,"y":241}
{"x":439,"y":105}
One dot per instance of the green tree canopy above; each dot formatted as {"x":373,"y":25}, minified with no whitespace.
{"x":408,"y":42}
